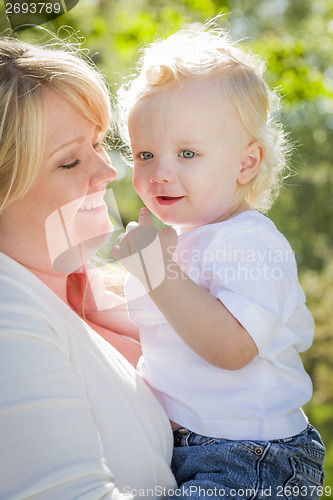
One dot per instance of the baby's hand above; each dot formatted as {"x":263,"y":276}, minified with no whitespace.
{"x":145,"y":252}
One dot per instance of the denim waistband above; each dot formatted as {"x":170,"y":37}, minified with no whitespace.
{"x":186,"y":437}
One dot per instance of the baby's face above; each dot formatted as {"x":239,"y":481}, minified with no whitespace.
{"x":189,"y":148}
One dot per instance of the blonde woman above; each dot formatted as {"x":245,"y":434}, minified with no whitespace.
{"x":75,"y":419}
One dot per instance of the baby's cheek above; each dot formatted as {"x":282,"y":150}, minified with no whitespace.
{"x":140,"y":183}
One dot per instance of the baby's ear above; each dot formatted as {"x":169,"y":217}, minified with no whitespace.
{"x":252,"y":159}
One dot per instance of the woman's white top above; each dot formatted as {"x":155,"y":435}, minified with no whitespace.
{"x":248,"y":265}
{"x":76,"y":420}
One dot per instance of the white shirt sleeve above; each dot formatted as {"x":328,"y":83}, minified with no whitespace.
{"x":50,"y":446}
{"x":254,"y":274}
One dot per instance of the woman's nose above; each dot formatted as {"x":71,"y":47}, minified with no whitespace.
{"x":103,"y":172}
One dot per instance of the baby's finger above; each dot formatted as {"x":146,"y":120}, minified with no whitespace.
{"x":115,"y":252}
{"x":121,"y":237}
{"x":145,"y":217}
{"x":131,"y":225}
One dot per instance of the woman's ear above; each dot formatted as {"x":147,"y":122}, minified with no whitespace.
{"x":252,"y":159}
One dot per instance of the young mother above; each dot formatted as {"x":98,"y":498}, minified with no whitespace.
{"x":75,"y":420}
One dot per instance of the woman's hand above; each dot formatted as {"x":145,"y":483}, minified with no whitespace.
{"x":145,"y":252}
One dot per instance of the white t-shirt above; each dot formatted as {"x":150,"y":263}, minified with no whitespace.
{"x":249,"y":266}
{"x":76,"y":420}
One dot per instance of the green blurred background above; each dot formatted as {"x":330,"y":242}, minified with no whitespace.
{"x":295,"y":38}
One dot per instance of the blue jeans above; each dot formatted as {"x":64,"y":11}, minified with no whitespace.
{"x":212,"y":468}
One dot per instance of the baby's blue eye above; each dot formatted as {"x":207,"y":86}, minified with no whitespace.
{"x":146,"y":155}
{"x":187,"y":154}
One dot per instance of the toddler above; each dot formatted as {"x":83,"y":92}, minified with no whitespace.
{"x":222,"y":331}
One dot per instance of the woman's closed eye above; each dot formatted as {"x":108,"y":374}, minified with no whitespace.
{"x":146,"y":155}
{"x":187,"y":153}
{"x":68,"y":166}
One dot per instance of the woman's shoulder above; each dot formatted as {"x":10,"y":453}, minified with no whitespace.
{"x":28,"y":308}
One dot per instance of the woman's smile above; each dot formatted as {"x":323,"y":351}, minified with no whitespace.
{"x":94,"y":207}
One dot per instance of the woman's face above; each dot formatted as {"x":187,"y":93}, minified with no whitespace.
{"x":63,"y":215}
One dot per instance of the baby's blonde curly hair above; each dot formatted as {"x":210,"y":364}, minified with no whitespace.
{"x":209,"y":52}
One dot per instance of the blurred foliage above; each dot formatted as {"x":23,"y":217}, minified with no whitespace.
{"x":295,"y":38}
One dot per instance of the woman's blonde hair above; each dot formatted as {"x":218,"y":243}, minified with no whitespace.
{"x":26,"y":73}
{"x":209,"y":53}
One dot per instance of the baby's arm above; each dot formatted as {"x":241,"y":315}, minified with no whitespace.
{"x":201,"y":320}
